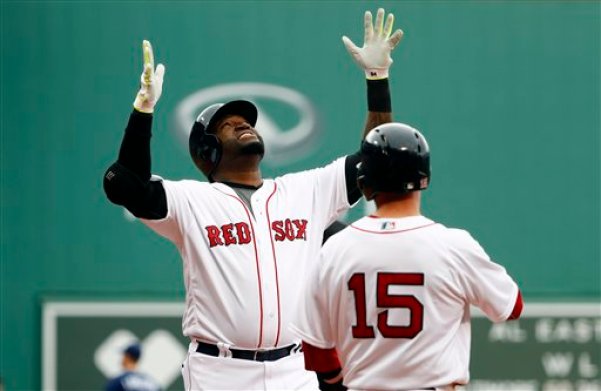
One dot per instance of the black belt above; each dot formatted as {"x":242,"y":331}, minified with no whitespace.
{"x":253,"y":355}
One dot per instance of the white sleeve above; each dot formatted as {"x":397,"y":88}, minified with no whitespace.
{"x":328,"y":189}
{"x":313,"y":323}
{"x":170,"y":226}
{"x":486,"y":283}
{"x":331,"y":187}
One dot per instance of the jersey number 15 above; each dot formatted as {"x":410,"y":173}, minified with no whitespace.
{"x":385,"y":300}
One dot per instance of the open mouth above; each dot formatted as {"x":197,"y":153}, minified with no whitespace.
{"x":246,"y":134}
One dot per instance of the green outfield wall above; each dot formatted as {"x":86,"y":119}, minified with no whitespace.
{"x":507,"y":93}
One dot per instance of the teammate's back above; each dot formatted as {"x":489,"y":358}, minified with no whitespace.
{"x":424,"y":277}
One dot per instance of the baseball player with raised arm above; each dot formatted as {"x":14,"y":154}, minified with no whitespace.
{"x":246,"y":242}
{"x":388,"y":306}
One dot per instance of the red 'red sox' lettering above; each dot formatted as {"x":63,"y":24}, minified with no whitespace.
{"x":290,"y":229}
{"x":228,"y":234}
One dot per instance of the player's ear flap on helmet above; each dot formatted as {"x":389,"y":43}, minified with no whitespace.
{"x":362,"y":184}
{"x":204,"y":148}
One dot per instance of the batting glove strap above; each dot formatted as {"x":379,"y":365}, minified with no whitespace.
{"x":379,"y":41}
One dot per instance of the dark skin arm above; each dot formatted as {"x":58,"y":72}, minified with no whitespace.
{"x":375,"y":118}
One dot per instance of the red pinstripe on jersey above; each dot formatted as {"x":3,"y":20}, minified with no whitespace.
{"x":275,"y":264}
{"x":252,"y":228}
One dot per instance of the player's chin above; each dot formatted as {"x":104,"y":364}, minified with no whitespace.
{"x":254,"y":147}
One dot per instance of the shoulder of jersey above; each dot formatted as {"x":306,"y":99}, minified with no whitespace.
{"x":340,"y":238}
{"x":303,"y":174}
{"x":459,"y":234}
{"x":298,"y":176}
{"x":192,"y":183}
{"x":459,"y":241}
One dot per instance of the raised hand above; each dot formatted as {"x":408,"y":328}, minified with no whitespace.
{"x":151,"y":82}
{"x":374,"y":56}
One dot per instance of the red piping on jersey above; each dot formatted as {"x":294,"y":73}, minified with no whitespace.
{"x":257,"y":264}
{"x":275,"y":264}
{"x":392,"y":232}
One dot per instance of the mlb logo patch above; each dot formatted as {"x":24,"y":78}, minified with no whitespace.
{"x":388,"y":225}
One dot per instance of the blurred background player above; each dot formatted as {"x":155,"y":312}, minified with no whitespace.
{"x":392,"y":292}
{"x":247,"y":243}
{"x":131,"y":379}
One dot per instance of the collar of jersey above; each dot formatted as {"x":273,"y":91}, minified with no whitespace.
{"x":375,"y":223}
{"x":242,"y":186}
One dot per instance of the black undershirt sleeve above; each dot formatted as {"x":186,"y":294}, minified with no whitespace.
{"x":135,"y":147}
{"x":127,"y":181}
{"x":333,"y":229}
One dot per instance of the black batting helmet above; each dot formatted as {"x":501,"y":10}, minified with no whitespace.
{"x":205,"y":147}
{"x":395,"y":158}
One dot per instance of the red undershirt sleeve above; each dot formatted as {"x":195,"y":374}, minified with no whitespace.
{"x":517,"y":308}
{"x":320,"y":360}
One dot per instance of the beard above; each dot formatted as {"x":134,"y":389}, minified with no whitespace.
{"x":254,"y":148}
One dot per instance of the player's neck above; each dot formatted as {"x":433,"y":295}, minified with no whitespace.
{"x":249,"y":175}
{"x":398,"y":206}
{"x":242,"y":169}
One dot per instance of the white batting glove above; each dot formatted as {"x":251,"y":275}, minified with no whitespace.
{"x":374,"y":56}
{"x":151,"y":82}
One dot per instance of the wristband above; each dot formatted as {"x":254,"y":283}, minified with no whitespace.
{"x":378,"y":96}
{"x":376,"y":74}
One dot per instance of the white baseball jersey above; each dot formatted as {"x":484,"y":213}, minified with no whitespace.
{"x":244,"y":269}
{"x":393,"y":297}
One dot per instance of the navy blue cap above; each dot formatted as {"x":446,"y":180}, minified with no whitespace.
{"x":134,"y":351}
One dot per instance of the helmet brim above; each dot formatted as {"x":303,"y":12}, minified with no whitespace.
{"x":243,"y":108}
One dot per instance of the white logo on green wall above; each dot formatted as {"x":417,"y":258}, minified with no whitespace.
{"x":161,"y":355}
{"x":287,"y":121}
